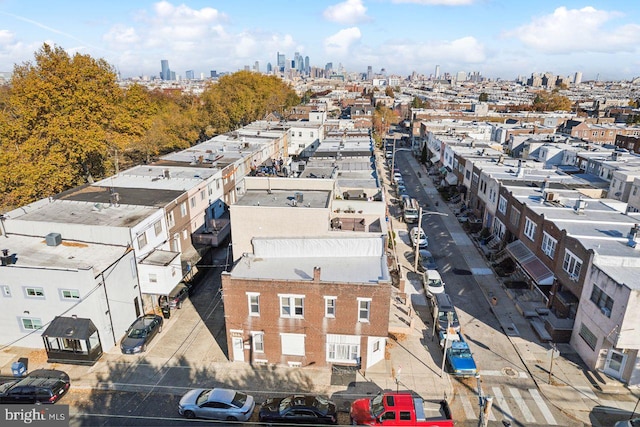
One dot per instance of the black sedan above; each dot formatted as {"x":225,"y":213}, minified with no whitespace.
{"x":299,"y":409}
{"x":140,"y":333}
{"x":40,"y":386}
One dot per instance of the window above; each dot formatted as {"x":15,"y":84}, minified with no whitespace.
{"x":343,"y":348}
{"x":311,"y":134}
{"x":6,"y":290}
{"x":376,"y":346}
{"x":157,"y":228}
{"x":254,"y":303}
{"x":258,"y":341}
{"x":31,"y":323}
{"x":329,"y":306}
{"x":292,"y":344}
{"x":405,"y":416}
{"x":602,"y":300}
{"x":170,"y":219}
{"x":571,"y":264}
{"x":548,"y":245}
{"x":364,"y":307}
{"x":502,"y":205}
{"x":183,"y":209}
{"x":70,"y":294}
{"x":529,"y":228}
{"x":35,"y":292}
{"x":142,"y":240}
{"x":202,"y":194}
{"x":153,"y":278}
{"x":292,"y":306}
{"x":514,"y":218}
{"x":588,"y":337}
{"x":193,"y":202}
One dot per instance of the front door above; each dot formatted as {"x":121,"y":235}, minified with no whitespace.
{"x":614,"y":364}
{"x":238,"y":349}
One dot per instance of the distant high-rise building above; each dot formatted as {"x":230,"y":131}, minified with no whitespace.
{"x":214,"y":74}
{"x":577,"y":79}
{"x":189,"y":75}
{"x":281,"y":62}
{"x":461,"y":76}
{"x":369,"y":72}
{"x":165,"y":73}
{"x":256,"y":67}
{"x":307,"y":67}
{"x":437,"y":72}
{"x":172,"y":75}
{"x":269,"y":68}
{"x":328,"y":68}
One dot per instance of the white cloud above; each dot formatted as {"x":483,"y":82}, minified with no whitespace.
{"x":348,"y":12}
{"x":577,"y":30}
{"x":438,"y":2}
{"x":121,"y":35}
{"x":339,"y":44}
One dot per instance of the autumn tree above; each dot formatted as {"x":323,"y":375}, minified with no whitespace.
{"x":56,"y":127}
{"x":484,"y":97}
{"x":244,"y":97}
{"x":551,"y":101}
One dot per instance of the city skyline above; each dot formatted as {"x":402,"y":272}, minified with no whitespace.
{"x":497,"y":39}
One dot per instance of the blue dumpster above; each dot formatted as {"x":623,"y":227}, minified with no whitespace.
{"x":18,"y":369}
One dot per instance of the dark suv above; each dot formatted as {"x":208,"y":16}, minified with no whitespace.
{"x":140,"y":333}
{"x":40,"y":386}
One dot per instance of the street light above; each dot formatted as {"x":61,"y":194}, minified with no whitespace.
{"x":415,"y":263}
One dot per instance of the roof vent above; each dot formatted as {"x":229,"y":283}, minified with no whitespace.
{"x":53,"y":239}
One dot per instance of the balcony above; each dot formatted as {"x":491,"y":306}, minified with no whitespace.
{"x":212,"y":233}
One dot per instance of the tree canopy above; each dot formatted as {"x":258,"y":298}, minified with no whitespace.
{"x":551,"y":101}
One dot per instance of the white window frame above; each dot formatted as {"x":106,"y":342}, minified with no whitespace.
{"x":362,"y":309}
{"x":330,"y":306}
{"x":257,"y":339}
{"x":250,"y":304}
{"x":35,"y":323}
{"x":291,"y":303}
{"x":141,"y":240}
{"x":183,"y":209}
{"x":530,"y":228}
{"x":157,"y":228}
{"x":343,"y":348}
{"x":548,"y":245}
{"x":192,"y":201}
{"x":34,"y":292}
{"x":153,"y":278}
{"x":72,"y":294}
{"x":571,"y":264}
{"x":502,"y":205}
{"x":171,"y":221}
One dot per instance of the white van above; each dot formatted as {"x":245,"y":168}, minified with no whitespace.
{"x":411,"y":210}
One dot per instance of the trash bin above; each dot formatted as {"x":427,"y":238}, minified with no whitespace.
{"x":166,"y":311}
{"x":18,"y":369}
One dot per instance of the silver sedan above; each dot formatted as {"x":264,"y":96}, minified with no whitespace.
{"x":217,"y":404}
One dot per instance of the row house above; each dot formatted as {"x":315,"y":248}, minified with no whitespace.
{"x":309,"y":302}
{"x":597,"y":133}
{"x":630,"y":143}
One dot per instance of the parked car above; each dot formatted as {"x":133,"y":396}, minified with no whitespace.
{"x":634,"y":422}
{"x":425,"y":259}
{"x":397,"y":176}
{"x":217,"y":404}
{"x":299,"y":409}
{"x":444,"y":313}
{"x":39,"y":386}
{"x":458,"y":356}
{"x":176,"y":297}
{"x":418,"y":237}
{"x":140,"y":333}
{"x":433,"y":283}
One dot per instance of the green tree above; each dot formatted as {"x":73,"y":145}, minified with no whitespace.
{"x":484,"y":97}
{"x":419,"y":103}
{"x":56,"y":124}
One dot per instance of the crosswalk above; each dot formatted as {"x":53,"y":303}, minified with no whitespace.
{"x":524,"y":407}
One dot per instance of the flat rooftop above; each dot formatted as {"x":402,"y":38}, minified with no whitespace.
{"x":101,"y":196}
{"x":283,"y":198}
{"x":34,"y":252}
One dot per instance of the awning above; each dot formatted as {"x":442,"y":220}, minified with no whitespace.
{"x":531,"y":264}
{"x":70,"y":327}
{"x":435,"y":159}
{"x":451,"y":178}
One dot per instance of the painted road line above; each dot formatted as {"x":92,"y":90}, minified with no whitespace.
{"x":543,"y":407}
{"x":468,"y":408}
{"x":528,"y":416}
{"x":502,"y":402}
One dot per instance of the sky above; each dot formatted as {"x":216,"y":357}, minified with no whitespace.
{"x":498,"y":38}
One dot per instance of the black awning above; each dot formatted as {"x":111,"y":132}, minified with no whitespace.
{"x":70,"y":327}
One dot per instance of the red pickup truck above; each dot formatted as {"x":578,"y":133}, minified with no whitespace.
{"x":400,"y":409}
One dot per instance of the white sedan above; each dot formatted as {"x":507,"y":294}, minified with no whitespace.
{"x":418,"y":237}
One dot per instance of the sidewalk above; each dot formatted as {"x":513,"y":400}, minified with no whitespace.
{"x":571,"y":387}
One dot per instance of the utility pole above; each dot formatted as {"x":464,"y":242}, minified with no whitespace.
{"x":553,"y":353}
{"x":446,"y":341}
{"x":415,"y":261}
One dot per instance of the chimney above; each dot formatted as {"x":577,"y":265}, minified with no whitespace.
{"x":316,"y":274}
